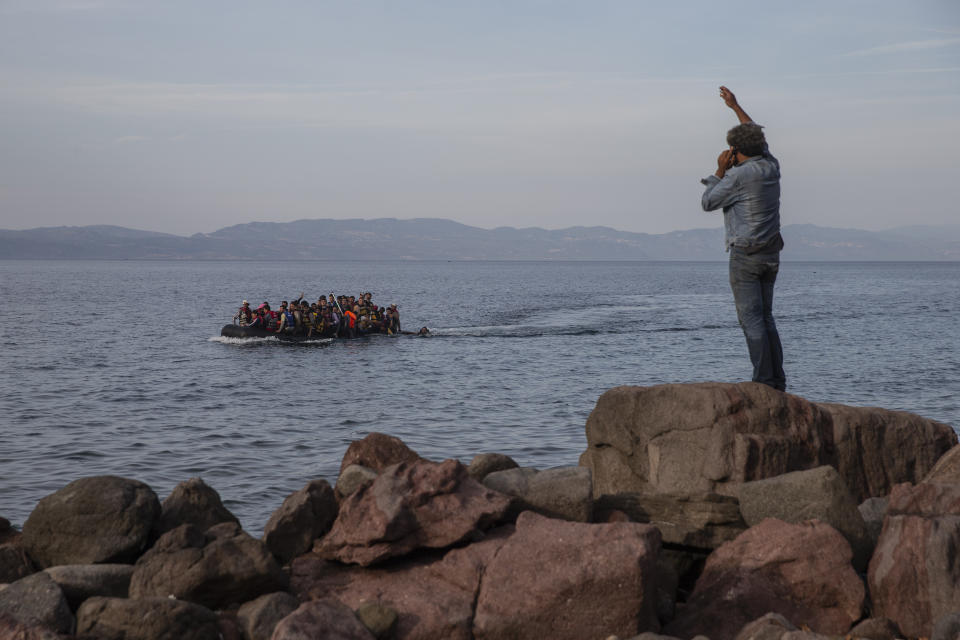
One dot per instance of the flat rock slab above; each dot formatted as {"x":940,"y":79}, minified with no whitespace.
{"x":146,"y":619}
{"x":418,"y":505}
{"x":102,"y":519}
{"x":914,"y":576}
{"x":81,"y":581}
{"x":563,"y":492}
{"x":800,"y":571}
{"x":216,"y":569}
{"x":698,"y":521}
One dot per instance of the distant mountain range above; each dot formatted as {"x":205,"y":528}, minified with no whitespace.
{"x":438,"y":239}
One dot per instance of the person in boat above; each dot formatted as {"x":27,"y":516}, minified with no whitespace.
{"x":393,"y":315}
{"x":258,"y":321}
{"x":245,"y":315}
{"x":270,"y":321}
{"x":288,"y":320}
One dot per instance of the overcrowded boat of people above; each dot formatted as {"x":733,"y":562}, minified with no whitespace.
{"x":328,"y":317}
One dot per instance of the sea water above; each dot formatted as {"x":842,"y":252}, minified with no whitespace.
{"x":117,"y":367}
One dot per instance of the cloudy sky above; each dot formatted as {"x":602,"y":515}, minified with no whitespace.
{"x":188,"y":116}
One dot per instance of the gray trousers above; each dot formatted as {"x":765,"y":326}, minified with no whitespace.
{"x":752,"y":277}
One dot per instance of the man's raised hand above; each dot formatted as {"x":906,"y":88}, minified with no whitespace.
{"x":728,"y":98}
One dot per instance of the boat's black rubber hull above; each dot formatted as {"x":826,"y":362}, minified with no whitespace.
{"x":236,"y":331}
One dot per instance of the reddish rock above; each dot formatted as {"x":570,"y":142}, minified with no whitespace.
{"x":801,"y":571}
{"x":877,"y":448}
{"x":258,"y":618}
{"x":225,"y":566}
{"x":411,"y":506}
{"x":433,"y":595}
{"x":328,"y":619}
{"x":377,"y":451}
{"x":701,"y":438}
{"x":914,"y":576}
{"x":92,"y":520}
{"x":193,"y":502}
{"x":303,"y":517}
{"x":557,"y":579}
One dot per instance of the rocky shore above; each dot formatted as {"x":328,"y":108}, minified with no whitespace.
{"x":720,"y":511}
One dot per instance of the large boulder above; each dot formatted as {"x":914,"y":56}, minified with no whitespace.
{"x":14,"y":563}
{"x":377,"y":451}
{"x":564,"y":492}
{"x":146,"y":619}
{"x":328,"y":619}
{"x":193,"y":502}
{"x":801,"y":571}
{"x":878,"y":448}
{"x":411,"y":506}
{"x":81,"y":581}
{"x":216,"y":569}
{"x":258,"y":618}
{"x":814,"y":494}
{"x":710,"y":437}
{"x":92,"y":520}
{"x":433,"y":597}
{"x":557,"y":579}
{"x":914,"y":575}
{"x":304,"y":516}
{"x":701,"y":438}
{"x":37,"y":601}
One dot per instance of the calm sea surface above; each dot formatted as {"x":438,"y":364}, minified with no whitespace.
{"x":118,"y":367}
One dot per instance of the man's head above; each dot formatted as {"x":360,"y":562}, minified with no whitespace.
{"x":747,"y":138}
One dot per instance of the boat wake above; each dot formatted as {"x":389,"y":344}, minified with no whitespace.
{"x":251,"y":342}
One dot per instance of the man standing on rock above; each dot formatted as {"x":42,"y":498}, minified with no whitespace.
{"x":747,"y":186}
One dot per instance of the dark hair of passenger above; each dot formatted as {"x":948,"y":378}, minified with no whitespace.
{"x":747,"y":138}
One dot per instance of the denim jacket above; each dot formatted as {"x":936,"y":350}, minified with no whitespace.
{"x":750,"y":196}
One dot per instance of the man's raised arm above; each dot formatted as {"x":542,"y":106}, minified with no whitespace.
{"x":731,"y":101}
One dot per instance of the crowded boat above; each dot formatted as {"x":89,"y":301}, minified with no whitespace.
{"x":329,"y":317}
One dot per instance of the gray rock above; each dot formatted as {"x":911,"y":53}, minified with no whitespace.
{"x":564,"y":492}
{"x":947,"y":627}
{"x":484,"y":464}
{"x":876,"y":629}
{"x":807,"y":495}
{"x":379,"y":619}
{"x":146,"y":619}
{"x":14,"y":563}
{"x":92,"y":520}
{"x":193,"y":502}
{"x":873,"y":511}
{"x":304,"y":516}
{"x":353,"y":478}
{"x":81,"y":581}
{"x":222,"y":567}
{"x":258,"y":618}
{"x":37,"y":600}
{"x":327,"y":618}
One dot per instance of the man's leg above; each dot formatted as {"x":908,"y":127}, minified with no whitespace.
{"x":748,"y":279}
{"x":778,"y":378}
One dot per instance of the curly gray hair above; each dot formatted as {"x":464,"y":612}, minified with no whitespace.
{"x":747,"y":138}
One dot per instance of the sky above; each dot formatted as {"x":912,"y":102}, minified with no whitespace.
{"x":189,"y":116}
